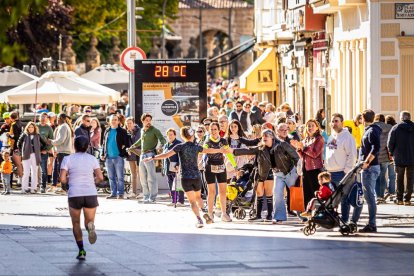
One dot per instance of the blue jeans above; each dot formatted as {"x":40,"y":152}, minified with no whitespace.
{"x":369,"y":181}
{"x":43,"y":167}
{"x":281,"y":181}
{"x":148,"y":177}
{"x":336,"y":177}
{"x":382,"y":180}
{"x":115,"y":168}
{"x":6,"y":182}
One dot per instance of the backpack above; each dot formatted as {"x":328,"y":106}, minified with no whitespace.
{"x":356,"y":195}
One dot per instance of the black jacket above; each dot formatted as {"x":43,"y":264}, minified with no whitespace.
{"x":122,"y":140}
{"x":242,"y":120}
{"x":401,"y":143}
{"x":256,"y":117}
{"x":17,"y":129}
{"x":370,"y":143}
{"x":284,"y":157}
{"x":133,"y":137}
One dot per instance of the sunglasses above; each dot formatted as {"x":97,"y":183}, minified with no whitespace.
{"x":200,"y":131}
{"x":239,"y":106}
{"x":88,"y":121}
{"x":88,"y":111}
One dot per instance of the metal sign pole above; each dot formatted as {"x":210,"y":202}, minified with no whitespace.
{"x":131,"y":43}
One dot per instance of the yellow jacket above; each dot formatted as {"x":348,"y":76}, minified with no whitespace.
{"x":357,"y":131}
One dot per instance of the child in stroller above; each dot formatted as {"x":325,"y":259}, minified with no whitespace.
{"x":326,"y":189}
{"x":326,"y":215}
{"x":239,"y":192}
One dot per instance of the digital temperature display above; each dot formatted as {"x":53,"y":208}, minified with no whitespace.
{"x":165,"y":71}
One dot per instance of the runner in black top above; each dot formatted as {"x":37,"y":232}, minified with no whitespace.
{"x":190,"y":175}
{"x":215,"y":171}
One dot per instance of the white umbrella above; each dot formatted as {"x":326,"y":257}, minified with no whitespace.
{"x":11,"y":77}
{"x":61,"y":87}
{"x":112,"y":76}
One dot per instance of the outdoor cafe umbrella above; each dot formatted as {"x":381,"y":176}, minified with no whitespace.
{"x":60,"y":87}
{"x":11,"y":77}
{"x":112,"y":76}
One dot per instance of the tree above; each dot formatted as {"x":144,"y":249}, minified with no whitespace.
{"x":11,"y":12}
{"x":39,"y":31}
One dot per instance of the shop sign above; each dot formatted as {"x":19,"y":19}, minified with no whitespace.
{"x":404,"y":10}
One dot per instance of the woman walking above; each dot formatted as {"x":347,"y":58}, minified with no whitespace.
{"x":311,"y":152}
{"x":81,"y":171}
{"x":190,"y":175}
{"x":29,"y":145}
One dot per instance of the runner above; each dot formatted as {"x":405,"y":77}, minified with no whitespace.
{"x":81,"y":172}
{"x":215,"y":171}
{"x":190,"y":175}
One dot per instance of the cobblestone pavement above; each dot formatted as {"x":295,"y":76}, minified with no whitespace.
{"x":138,"y":239}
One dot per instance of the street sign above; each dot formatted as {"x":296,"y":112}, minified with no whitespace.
{"x":129,"y":55}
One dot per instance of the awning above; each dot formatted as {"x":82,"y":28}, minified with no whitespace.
{"x":261,"y":76}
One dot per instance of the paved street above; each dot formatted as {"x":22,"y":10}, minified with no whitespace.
{"x":137,"y":239}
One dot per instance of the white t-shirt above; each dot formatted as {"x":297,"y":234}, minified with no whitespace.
{"x":80,"y":167}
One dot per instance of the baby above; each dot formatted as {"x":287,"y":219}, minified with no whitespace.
{"x":326,"y":189}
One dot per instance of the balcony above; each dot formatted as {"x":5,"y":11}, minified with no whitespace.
{"x":351,"y":3}
{"x":325,"y":7}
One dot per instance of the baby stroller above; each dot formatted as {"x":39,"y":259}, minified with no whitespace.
{"x":326,"y":215}
{"x":240,"y":194}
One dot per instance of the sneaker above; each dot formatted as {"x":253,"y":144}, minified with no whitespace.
{"x":82,"y":255}
{"x":27,"y":191}
{"x":226,"y":218}
{"x":255,"y":219}
{"x":91,"y":233}
{"x":42,"y":190}
{"x":199,"y":223}
{"x":277,"y":221}
{"x":398,"y":202}
{"x":208,"y":219}
{"x":132,"y":196}
{"x":111,"y":197}
{"x":386,"y":196}
{"x":171,"y":204}
{"x":33,"y":191}
{"x":292,"y":214}
{"x":380,"y":200}
{"x":407,"y":203}
{"x":145,"y":201}
{"x":268,"y":219}
{"x":306,"y":214}
{"x":51,"y":189}
{"x":368,"y":229}
{"x":120,"y":197}
{"x":60,"y":191}
{"x":179,"y":204}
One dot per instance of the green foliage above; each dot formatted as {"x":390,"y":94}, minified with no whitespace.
{"x":78,"y":18}
{"x":11,"y":11}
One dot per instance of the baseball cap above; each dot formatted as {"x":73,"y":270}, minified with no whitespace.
{"x":51,"y":114}
{"x":6,"y":115}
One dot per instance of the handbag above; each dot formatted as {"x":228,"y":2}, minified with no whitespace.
{"x":297,"y":202}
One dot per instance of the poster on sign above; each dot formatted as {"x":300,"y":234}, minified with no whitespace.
{"x":173,"y":91}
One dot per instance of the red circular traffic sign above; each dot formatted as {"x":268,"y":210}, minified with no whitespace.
{"x":129,"y":55}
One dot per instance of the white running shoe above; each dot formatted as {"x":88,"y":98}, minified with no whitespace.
{"x":91,"y":233}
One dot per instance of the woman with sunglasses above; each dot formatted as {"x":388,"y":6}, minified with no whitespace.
{"x":190,"y":175}
{"x":215,"y":171}
{"x":275,"y":160}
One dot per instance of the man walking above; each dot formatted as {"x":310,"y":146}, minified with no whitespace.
{"x":401,"y":147}
{"x":148,"y":143}
{"x":340,"y":157}
{"x":114,"y":147}
{"x":46,"y":132}
{"x":370,"y":146}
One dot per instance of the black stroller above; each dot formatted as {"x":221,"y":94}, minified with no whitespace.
{"x":326,"y":215}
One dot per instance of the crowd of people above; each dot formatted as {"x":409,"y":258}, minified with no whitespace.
{"x":236,"y":132}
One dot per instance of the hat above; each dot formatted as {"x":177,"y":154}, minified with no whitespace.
{"x":229,"y":101}
{"x":6,"y":115}
{"x":207,"y":121}
{"x":51,"y":114}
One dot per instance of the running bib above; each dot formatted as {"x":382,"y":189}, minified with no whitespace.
{"x":218,"y":168}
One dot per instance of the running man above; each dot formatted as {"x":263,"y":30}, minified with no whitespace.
{"x":81,"y":172}
{"x":190,"y":175}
